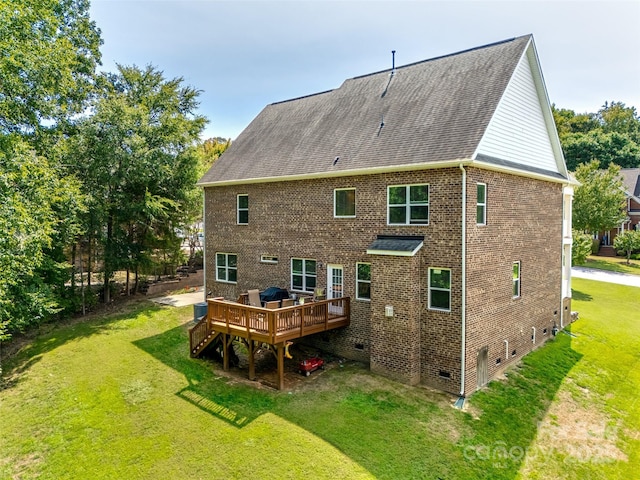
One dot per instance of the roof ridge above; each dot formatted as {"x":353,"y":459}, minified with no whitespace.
{"x":488,"y":45}
{"x":303,"y":96}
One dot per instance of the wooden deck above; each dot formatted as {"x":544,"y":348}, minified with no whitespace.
{"x":227,"y":320}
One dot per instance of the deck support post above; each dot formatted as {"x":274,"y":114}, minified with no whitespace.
{"x":251,"y":349}
{"x":226,"y":341}
{"x":281,"y":366}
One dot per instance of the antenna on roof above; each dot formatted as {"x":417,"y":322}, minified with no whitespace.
{"x":393,"y":62}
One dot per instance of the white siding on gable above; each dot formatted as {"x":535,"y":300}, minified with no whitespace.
{"x":517,"y":131}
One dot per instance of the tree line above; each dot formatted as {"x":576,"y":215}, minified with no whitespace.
{"x":596,"y":146}
{"x":97,"y":169}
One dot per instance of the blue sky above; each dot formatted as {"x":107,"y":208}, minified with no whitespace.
{"x":245,"y":54}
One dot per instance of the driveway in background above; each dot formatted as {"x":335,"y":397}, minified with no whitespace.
{"x":605,"y":276}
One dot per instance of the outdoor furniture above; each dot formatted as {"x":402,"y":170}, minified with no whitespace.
{"x":272,"y":305}
{"x":287,"y":302}
{"x":319,"y":294}
{"x":254,"y":298}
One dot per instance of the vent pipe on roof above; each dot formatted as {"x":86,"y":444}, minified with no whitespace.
{"x":393,"y":62}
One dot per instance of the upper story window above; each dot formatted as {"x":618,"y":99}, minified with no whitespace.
{"x":408,"y":204}
{"x":516,"y":279}
{"x":481,"y":205}
{"x":344,"y":202}
{"x":440,"y":289}
{"x":303,"y":274}
{"x":227,"y":267}
{"x":363,"y":281}
{"x":243,"y":209}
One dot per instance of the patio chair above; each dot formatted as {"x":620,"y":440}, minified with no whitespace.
{"x":254,"y":298}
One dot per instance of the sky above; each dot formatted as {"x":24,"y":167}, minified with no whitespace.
{"x":243,"y":55}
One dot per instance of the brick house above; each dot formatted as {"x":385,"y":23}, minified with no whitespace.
{"x":432,"y":194}
{"x":631,"y":184}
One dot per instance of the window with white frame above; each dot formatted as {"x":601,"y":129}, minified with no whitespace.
{"x":516,"y":279}
{"x":344,"y":202}
{"x":363,"y":281}
{"x":408,"y":204}
{"x":227,"y":267}
{"x":440,"y":289}
{"x":303,"y":274}
{"x":243,"y":209}
{"x":481,"y":205}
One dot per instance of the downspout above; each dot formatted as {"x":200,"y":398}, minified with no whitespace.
{"x":463,"y":306}
{"x":204,"y":243}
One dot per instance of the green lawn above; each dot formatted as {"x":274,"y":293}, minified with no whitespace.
{"x":119,"y":397}
{"x":613,"y":264}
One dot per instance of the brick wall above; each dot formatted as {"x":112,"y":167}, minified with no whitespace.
{"x":295,"y":219}
{"x":524,"y":223}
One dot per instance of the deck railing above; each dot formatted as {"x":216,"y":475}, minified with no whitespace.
{"x":277,"y":325}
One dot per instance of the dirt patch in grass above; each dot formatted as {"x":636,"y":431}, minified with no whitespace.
{"x":578,"y":432}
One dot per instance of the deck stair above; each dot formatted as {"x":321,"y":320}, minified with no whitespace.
{"x":201,"y":336}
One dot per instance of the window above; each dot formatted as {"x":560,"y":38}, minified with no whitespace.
{"x":344,"y":202}
{"x":516,"y":279}
{"x":408,"y":205}
{"x":227,"y":267}
{"x":363,"y":281}
{"x":440,"y":289}
{"x":303,"y":274}
{"x":243,"y":209}
{"x":481,"y":206}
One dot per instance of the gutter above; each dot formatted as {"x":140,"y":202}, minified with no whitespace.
{"x":463,"y":314}
{"x":204,"y":244}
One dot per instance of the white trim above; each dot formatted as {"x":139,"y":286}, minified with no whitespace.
{"x":429,"y":288}
{"x":407,"y":205}
{"x":396,"y":253}
{"x":363,"y":281}
{"x":335,"y":204}
{"x":204,"y":245}
{"x":484,"y":204}
{"x":412,"y":167}
{"x":519,"y":279}
{"x":463,"y":284}
{"x":226,"y":267}
{"x":238,"y":209}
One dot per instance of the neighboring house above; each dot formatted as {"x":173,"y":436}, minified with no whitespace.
{"x":432,"y":194}
{"x":631,"y":185}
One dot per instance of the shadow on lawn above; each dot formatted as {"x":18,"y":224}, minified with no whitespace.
{"x":48,"y":337}
{"x":237,"y":405}
{"x":513,"y":409}
{"x":578,"y":295}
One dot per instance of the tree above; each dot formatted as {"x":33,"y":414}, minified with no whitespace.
{"x":599,"y":202}
{"x":627,"y":241}
{"x":136,"y":158}
{"x":611,"y":135}
{"x":48,"y":53}
{"x":581,"y":247}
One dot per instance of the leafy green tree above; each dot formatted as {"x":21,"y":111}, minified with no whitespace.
{"x":136,"y":158}
{"x":48,"y":53}
{"x":599,"y":201}
{"x":627,"y":242}
{"x":581,"y":247}
{"x":612,"y":135}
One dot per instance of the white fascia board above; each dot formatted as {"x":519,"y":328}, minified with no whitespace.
{"x":342,"y":173}
{"x":396,"y":253}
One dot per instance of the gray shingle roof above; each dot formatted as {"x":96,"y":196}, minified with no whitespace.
{"x":631,"y":180}
{"x":396,"y":245}
{"x":430,"y":111}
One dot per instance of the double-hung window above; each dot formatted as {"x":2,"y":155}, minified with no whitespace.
{"x":344,"y":202}
{"x":243,"y":209}
{"x":363,"y":281}
{"x":303,"y":274}
{"x":440,"y":289}
{"x":481,"y":205}
{"x":408,"y":204}
{"x":516,"y":279}
{"x":227,"y":267}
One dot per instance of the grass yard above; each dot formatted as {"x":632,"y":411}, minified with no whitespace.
{"x":119,"y":397}
{"x":613,"y":264}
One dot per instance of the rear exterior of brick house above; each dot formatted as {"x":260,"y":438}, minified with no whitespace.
{"x":448,"y":297}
